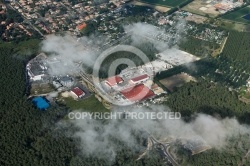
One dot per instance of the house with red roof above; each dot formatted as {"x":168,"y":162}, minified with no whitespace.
{"x":140,"y":79}
{"x":112,"y":81}
{"x":81,"y":26}
{"x":137,"y":93}
{"x":77,"y":92}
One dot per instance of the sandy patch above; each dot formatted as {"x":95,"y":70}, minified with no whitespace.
{"x":156,"y":7}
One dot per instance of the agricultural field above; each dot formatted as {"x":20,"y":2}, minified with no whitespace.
{"x":88,"y":104}
{"x":201,"y":8}
{"x":241,"y":15}
{"x":168,"y":3}
{"x":156,"y":7}
{"x":234,"y":60}
{"x":237,"y":49}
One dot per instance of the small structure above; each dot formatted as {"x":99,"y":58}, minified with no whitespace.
{"x":77,"y":92}
{"x":140,"y":79}
{"x":112,"y":81}
{"x":66,"y":81}
{"x":81,"y":26}
{"x":56,"y":84}
{"x":40,"y":103}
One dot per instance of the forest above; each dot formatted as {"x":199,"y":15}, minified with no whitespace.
{"x":198,"y":47}
{"x":209,"y":98}
{"x":232,"y":154}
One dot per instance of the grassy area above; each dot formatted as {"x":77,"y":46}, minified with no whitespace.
{"x":238,"y":15}
{"x":230,"y":25}
{"x":41,"y":89}
{"x":169,"y":3}
{"x":90,"y":104}
{"x":196,"y":5}
{"x":28,"y":47}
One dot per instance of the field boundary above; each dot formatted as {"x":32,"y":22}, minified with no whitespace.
{"x":156,"y":4}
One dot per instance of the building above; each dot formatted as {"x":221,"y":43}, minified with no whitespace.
{"x":112,"y":81}
{"x":140,"y":79}
{"x":81,"y":26}
{"x":56,"y":84}
{"x":40,"y":103}
{"x":36,"y":71}
{"x":137,"y":93}
{"x":77,"y":92}
{"x":66,"y":81}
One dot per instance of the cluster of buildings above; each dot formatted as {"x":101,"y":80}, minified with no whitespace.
{"x":63,"y":82}
{"x":11,"y":30}
{"x":136,"y":84}
{"x":227,"y":5}
{"x":210,"y":34}
{"x":52,"y":16}
{"x":38,"y":73}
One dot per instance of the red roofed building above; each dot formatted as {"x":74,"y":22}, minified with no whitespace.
{"x":140,"y":79}
{"x":112,"y":81}
{"x":137,"y":93}
{"x":77,"y":92}
{"x":81,"y":26}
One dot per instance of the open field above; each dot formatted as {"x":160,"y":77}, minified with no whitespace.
{"x":168,"y":3}
{"x":196,"y":18}
{"x":41,"y":89}
{"x":88,"y":104}
{"x":238,"y":15}
{"x":176,"y":81}
{"x":230,"y":25}
{"x":201,"y":8}
{"x":156,"y":7}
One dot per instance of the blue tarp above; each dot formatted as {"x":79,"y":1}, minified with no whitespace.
{"x":40,"y":103}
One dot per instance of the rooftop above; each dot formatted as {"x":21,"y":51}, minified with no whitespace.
{"x":111,"y":81}
{"x":139,"y":78}
{"x":137,"y":93}
{"x":78,"y":91}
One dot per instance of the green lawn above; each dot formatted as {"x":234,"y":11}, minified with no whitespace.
{"x":90,"y":104}
{"x":169,"y":3}
{"x":238,"y":15}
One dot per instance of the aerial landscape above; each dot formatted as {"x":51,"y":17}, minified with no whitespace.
{"x":125,"y":82}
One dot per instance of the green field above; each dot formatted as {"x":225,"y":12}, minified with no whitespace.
{"x":238,"y":15}
{"x":169,"y":3}
{"x":90,"y":104}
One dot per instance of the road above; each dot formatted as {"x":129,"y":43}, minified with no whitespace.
{"x":165,"y":150}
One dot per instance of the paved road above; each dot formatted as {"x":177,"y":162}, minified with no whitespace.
{"x":165,"y":149}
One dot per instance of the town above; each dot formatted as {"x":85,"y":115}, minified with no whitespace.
{"x":66,"y":63}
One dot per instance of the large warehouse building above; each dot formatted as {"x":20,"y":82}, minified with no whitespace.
{"x":138,"y":93}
